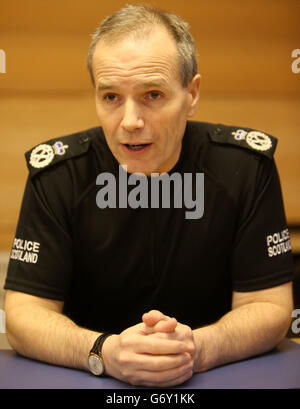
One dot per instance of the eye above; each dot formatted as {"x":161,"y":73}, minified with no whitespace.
{"x":110,"y":97}
{"x":154,"y":95}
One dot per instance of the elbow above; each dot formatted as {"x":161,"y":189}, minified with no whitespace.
{"x":13,"y":325}
{"x":282,"y":324}
{"x":11,"y":330}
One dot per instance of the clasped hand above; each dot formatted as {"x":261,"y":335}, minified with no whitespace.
{"x":158,"y":352}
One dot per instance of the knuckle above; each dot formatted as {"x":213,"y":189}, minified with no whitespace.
{"x":188,"y":375}
{"x":185,"y":358}
{"x":123,"y":359}
{"x":124,"y":341}
{"x":125,"y":373}
{"x":192,"y":350}
{"x":181,"y":346}
{"x":133,"y":380}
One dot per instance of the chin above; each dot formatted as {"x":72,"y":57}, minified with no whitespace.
{"x":134,"y":169}
{"x":137,"y":168}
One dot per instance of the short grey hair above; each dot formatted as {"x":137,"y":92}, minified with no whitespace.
{"x":138,"y":20}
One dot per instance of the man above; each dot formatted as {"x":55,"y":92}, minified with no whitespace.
{"x":82,"y":277}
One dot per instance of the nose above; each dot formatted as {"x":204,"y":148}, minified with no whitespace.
{"x":132,"y":120}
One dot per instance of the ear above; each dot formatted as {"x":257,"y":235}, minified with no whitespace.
{"x":194,"y":92}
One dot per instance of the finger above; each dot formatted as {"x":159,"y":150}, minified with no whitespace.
{"x":156,"y":321}
{"x":153,"y":317}
{"x":173,"y":382}
{"x":158,"y":346}
{"x":166,"y":378}
{"x":167,"y":326}
{"x":176,"y":336}
{"x":158,"y":363}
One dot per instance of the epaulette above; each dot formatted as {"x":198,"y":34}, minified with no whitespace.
{"x":247,"y":138}
{"x":57,"y":150}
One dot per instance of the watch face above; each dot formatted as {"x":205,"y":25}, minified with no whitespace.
{"x":95,"y":364}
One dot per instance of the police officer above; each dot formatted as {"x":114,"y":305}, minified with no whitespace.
{"x":145,"y":294}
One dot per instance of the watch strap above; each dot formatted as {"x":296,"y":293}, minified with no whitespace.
{"x":97,"y":347}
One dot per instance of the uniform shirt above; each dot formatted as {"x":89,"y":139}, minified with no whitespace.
{"x":111,"y":265}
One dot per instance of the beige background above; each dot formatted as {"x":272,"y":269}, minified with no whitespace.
{"x":245,"y":60}
{"x":244,"y":57}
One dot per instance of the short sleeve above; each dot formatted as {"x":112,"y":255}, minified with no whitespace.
{"x":40,"y":260}
{"x":262,"y":256}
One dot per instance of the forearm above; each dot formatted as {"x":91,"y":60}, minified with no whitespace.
{"x":243,"y":332}
{"x":46,"y":335}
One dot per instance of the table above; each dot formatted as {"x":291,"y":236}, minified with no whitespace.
{"x":277,"y":369}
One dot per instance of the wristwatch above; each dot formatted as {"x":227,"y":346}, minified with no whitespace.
{"x":95,"y":360}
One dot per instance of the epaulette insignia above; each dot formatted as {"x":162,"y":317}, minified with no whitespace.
{"x":43,"y":155}
{"x":54,"y":151}
{"x":245,"y":138}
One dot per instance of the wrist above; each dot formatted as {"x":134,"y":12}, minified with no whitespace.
{"x":207,"y":348}
{"x":85,"y":342}
{"x":108,"y":350}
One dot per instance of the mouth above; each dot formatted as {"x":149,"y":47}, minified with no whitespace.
{"x":136,"y":148}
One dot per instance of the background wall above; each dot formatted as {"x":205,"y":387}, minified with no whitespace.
{"x":244,"y":57}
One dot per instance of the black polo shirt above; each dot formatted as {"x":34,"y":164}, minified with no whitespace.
{"x":111,"y":265}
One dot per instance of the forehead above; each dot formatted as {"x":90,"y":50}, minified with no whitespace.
{"x":153,"y":56}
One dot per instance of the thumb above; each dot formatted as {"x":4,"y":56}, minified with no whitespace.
{"x":152,"y":317}
{"x":156,"y":321}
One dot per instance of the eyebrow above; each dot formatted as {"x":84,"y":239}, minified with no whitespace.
{"x":153,"y":84}
{"x":104,"y":86}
